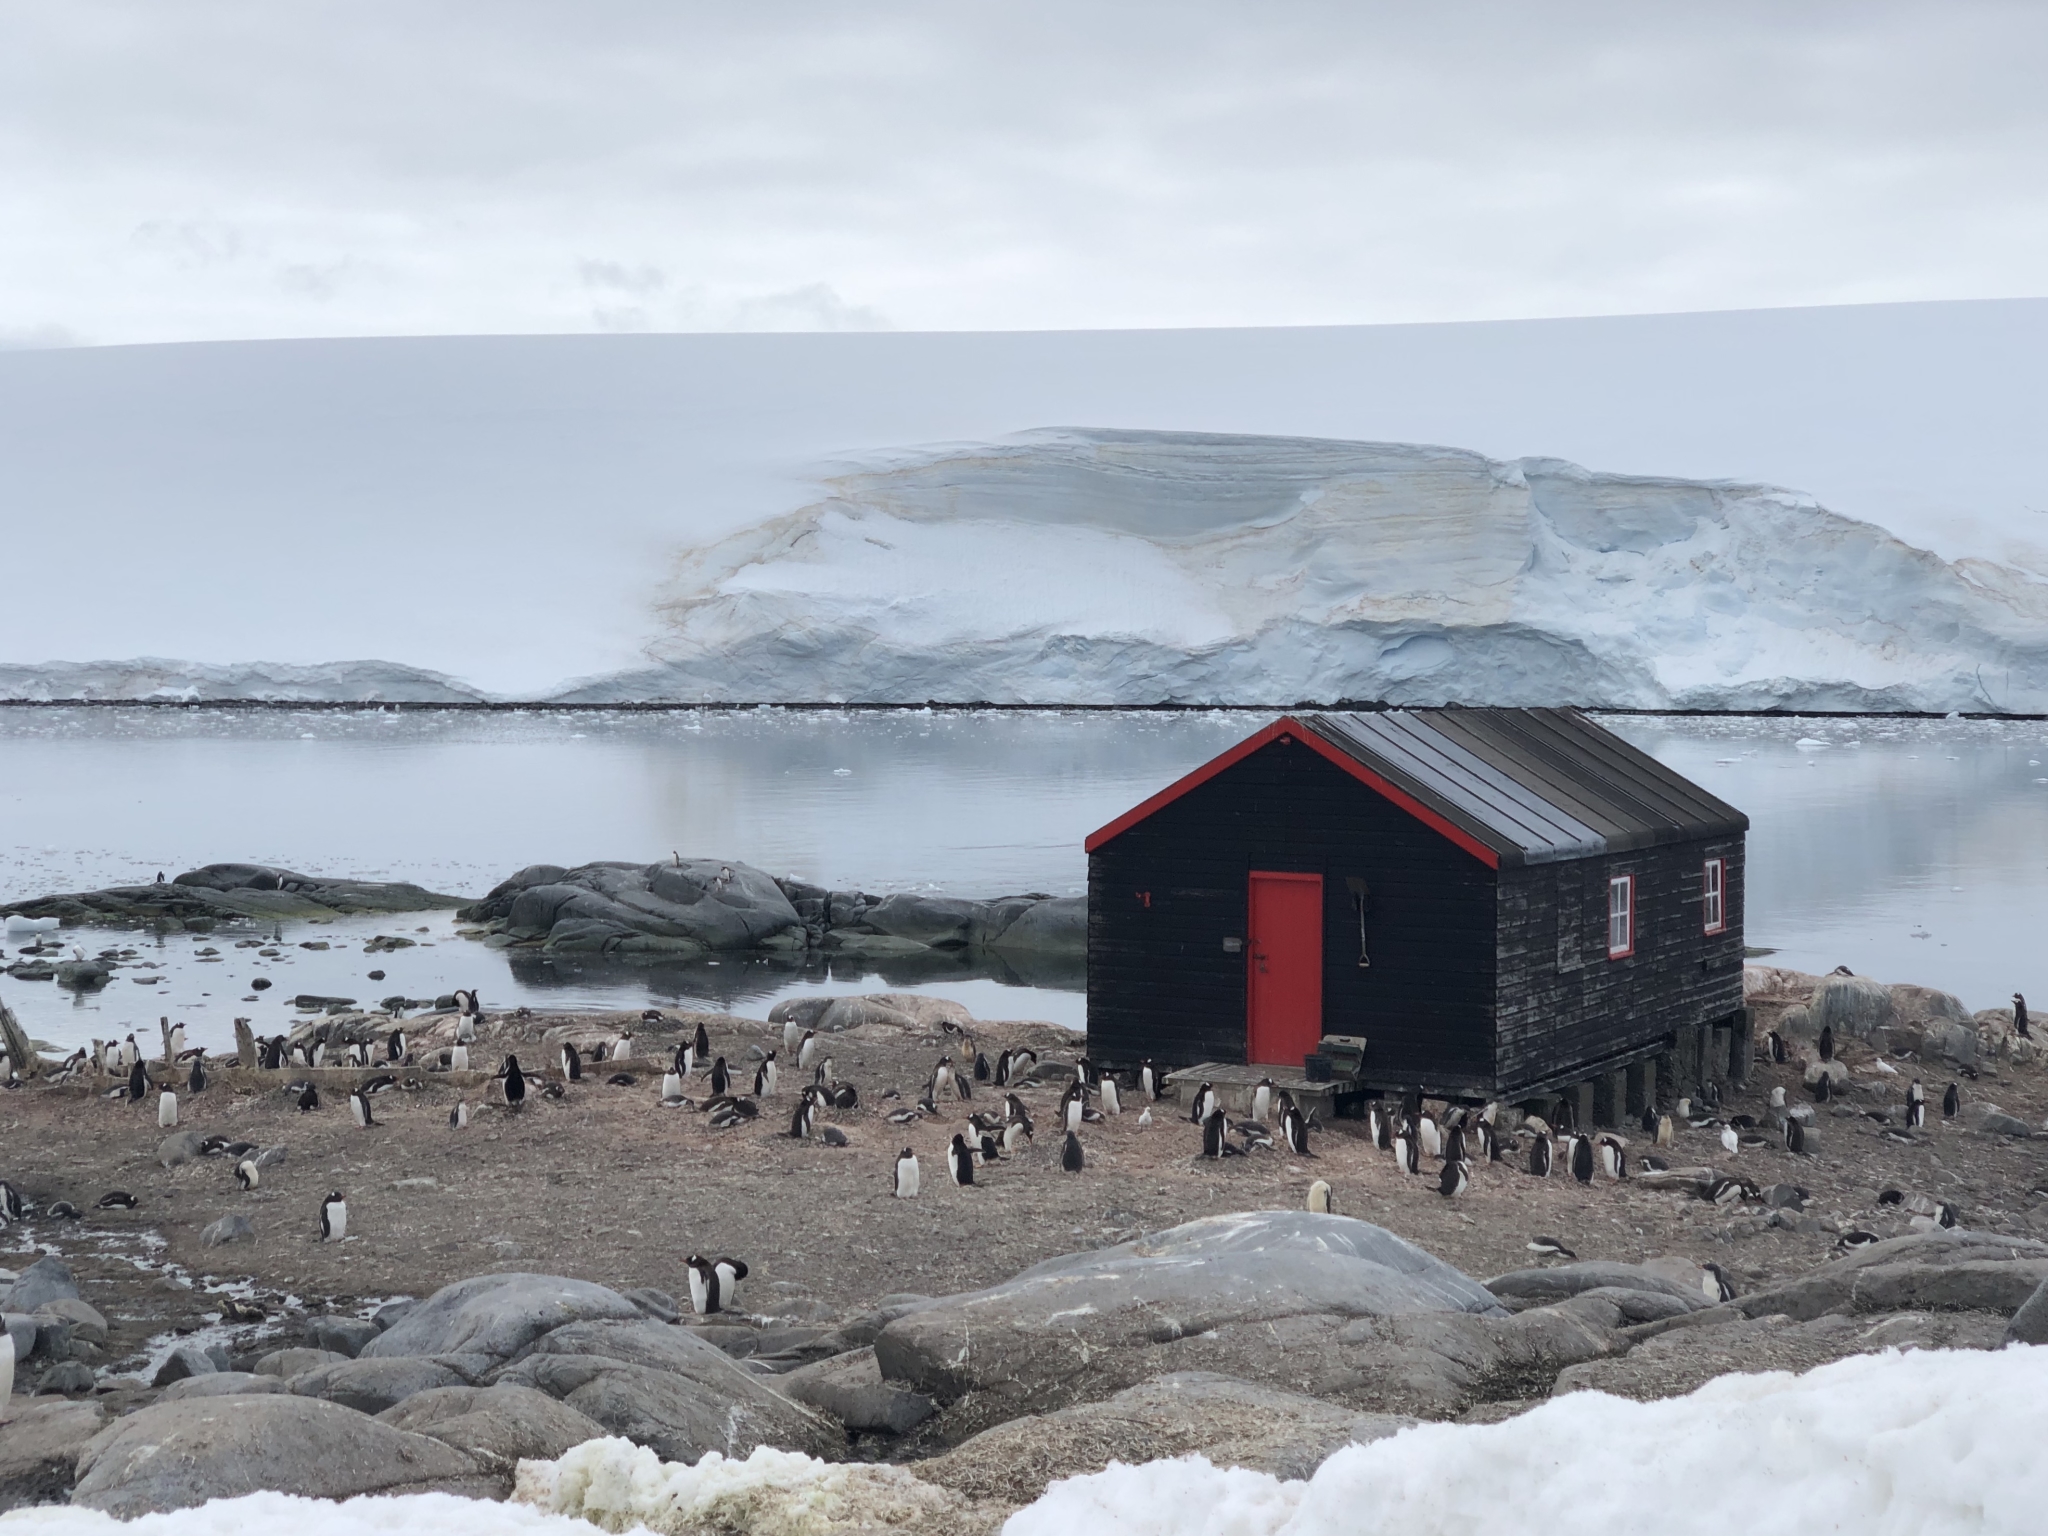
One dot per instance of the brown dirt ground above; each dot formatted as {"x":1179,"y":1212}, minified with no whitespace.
{"x":606,"y":1185}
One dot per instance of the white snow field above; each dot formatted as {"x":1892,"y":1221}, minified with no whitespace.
{"x":907,"y":517}
{"x":1927,"y":1443}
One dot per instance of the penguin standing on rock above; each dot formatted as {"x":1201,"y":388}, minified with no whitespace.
{"x":2019,"y":1017}
{"x":960,"y":1160}
{"x":333,"y":1218}
{"x":1827,"y":1042}
{"x":1070,"y":1154}
{"x":1951,"y":1102}
{"x":906,"y":1174}
{"x":704,"y":1297}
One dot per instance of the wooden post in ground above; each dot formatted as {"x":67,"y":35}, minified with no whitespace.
{"x":1741,"y":1048}
{"x":1642,"y":1089}
{"x":164,"y":1024}
{"x":21,"y":1055}
{"x":1581,"y":1095}
{"x":1610,"y":1094}
{"x":1720,"y":1036}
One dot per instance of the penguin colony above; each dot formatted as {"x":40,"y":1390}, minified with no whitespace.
{"x":1451,"y":1143}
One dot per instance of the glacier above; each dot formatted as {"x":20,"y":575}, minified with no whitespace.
{"x":1137,"y":568}
{"x":519,"y":519}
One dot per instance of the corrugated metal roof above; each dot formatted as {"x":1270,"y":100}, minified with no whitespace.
{"x":1534,"y":785}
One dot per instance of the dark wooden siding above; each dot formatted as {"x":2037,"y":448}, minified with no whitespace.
{"x":1161,"y":985}
{"x":1564,"y":1005}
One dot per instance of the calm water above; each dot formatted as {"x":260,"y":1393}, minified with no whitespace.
{"x":1909,"y":850}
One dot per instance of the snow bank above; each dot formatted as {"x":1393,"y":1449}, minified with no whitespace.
{"x":263,"y":1514}
{"x":622,"y":1486}
{"x":1931,"y":1443}
{"x":1134,"y":568}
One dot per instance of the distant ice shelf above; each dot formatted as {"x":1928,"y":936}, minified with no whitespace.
{"x":1136,"y":568}
{"x":152,"y":679}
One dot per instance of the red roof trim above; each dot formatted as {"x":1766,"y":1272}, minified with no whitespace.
{"x":1288,"y":726}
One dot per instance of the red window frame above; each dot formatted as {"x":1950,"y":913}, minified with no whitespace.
{"x":1627,"y":912}
{"x":1714,"y":896}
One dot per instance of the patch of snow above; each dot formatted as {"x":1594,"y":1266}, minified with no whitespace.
{"x":1929,"y":1443}
{"x":255,"y":1514}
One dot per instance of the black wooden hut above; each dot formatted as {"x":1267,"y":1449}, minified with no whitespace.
{"x":1499,"y":902}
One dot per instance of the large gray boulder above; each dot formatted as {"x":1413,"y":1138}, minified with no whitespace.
{"x":43,"y":1282}
{"x":489,"y":1319}
{"x":496,"y":1427}
{"x":1849,"y":1005}
{"x":1022,"y":923}
{"x":223,"y":1384}
{"x":180,"y":1454}
{"x":1955,"y":1270}
{"x":1322,"y":1304}
{"x":691,"y":906}
{"x":371,"y":1386}
{"x":2029,"y":1324}
{"x":39,"y":1444}
{"x":1058,"y":925}
{"x":663,"y":1387}
{"x":1567,"y":1280}
{"x":850,"y":1388}
{"x":1188,"y":1413}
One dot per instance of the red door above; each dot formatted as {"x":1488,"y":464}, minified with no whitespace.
{"x":1284,"y":1000}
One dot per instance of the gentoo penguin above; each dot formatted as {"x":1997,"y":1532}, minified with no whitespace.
{"x":333,"y":1218}
{"x":1085,"y":1072}
{"x":906,"y":1174}
{"x":166,"y":1109}
{"x":515,"y":1083}
{"x":671,"y":1083}
{"x":981,"y":1067}
{"x":246,"y":1173}
{"x":1581,"y":1150}
{"x":1951,"y":1102}
{"x":465,"y":1003}
{"x":458,"y":1117}
{"x":960,"y":1161}
{"x":195,"y":1080}
{"x":1294,"y":1131}
{"x":117,"y":1200}
{"x":704,"y":1298}
{"x":800,"y":1122}
{"x":1070,"y":1153}
{"x":2019,"y":1017}
{"x":685,"y":1061}
{"x":1613,"y":1157}
{"x":6,"y":1366}
{"x":138,"y":1083}
{"x":177,"y":1041}
{"x":1216,"y":1136}
{"x":1454,"y":1180}
{"x":1148,"y":1079}
{"x":1649,"y":1120}
{"x":1664,"y":1130}
{"x":458,"y":1057}
{"x":1013,"y":1109}
{"x":1777,"y":1098}
{"x":1539,"y":1157}
{"x":1490,"y":1144}
{"x":1795,"y":1136}
{"x":1823,"y":1089}
{"x":1001,"y":1076}
{"x":1016,"y":1133}
{"x":1730,"y":1142}
{"x":1407,"y":1155}
{"x":572,"y":1063}
{"x":465,"y":1029}
{"x":1319,"y":1197}
{"x":807,"y":1050}
{"x":730,"y":1273}
{"x":721,"y":1078}
{"x":359,"y":1106}
{"x":309,"y":1098}
{"x":394,"y":1048}
{"x":1777,"y":1044}
{"x":1714,"y":1282}
{"x":702,"y":1040}
{"x":941,"y":1079}
{"x":1827,"y":1042}
{"x":622,"y":1048}
{"x":12,"y":1207}
{"x":1072,"y":1103}
{"x":792,"y":1034}
{"x":1549,"y":1248}
{"x":1916,"y":1113}
{"x":765,"y":1076}
{"x":1454,"y":1144}
{"x":1262,"y":1100}
{"x":1206,"y":1103}
{"x":1112,"y":1096}
{"x":1428,"y":1137}
{"x":1376,"y":1126}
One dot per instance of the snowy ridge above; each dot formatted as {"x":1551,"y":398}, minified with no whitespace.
{"x":151,"y":679}
{"x":1132,"y":568}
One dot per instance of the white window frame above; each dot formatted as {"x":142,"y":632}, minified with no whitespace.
{"x":1621,"y":916}
{"x":1714,"y":896}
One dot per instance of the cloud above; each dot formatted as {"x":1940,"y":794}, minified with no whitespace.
{"x":799,"y":164}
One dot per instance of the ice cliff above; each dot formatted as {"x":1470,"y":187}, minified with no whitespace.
{"x":1123,"y":567}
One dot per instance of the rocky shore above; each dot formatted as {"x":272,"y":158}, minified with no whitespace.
{"x":516,"y":1287}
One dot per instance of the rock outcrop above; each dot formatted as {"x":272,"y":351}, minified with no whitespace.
{"x":199,"y":898}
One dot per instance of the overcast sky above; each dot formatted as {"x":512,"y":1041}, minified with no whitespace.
{"x":187,"y":170}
